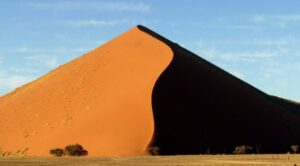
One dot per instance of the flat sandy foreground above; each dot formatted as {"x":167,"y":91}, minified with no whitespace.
{"x":282,"y":159}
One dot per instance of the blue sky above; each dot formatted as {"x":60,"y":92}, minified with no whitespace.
{"x":258,"y":41}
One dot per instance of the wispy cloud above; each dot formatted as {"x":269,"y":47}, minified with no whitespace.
{"x":251,"y":22}
{"x":10,"y":81}
{"x":281,"y":21}
{"x":244,"y":27}
{"x":229,"y":26}
{"x":46,"y":61}
{"x":25,"y":49}
{"x":285,"y":18}
{"x":22,"y":70}
{"x":98,"y":23}
{"x":265,"y":42}
{"x":51,"y":58}
{"x":34,"y":51}
{"x":13,"y":81}
{"x":51,"y":62}
{"x":273,"y":42}
{"x":97,"y":6}
{"x":252,"y":55}
{"x":1,"y":59}
{"x":243,"y":55}
{"x":264,"y":49}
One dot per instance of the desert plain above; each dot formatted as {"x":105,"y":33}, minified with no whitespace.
{"x":201,"y":160}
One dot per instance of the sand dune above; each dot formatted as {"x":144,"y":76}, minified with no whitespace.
{"x":141,"y":89}
{"x":101,"y":100}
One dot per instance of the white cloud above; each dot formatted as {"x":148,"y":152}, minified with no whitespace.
{"x":253,"y":54}
{"x":249,"y":50}
{"x":246,"y":55}
{"x":245,"y":27}
{"x":281,"y":21}
{"x":69,"y":51}
{"x":23,"y":70}
{"x":14,"y":81}
{"x":20,"y":49}
{"x":11,"y":78}
{"x":99,"y":6}
{"x":284,"y":18}
{"x":99,"y":23}
{"x":51,"y":62}
{"x":25,"y":49}
{"x":229,"y":26}
{"x":1,"y":59}
{"x":98,"y":42}
{"x":273,"y":42}
{"x":8,"y":81}
{"x":43,"y":60}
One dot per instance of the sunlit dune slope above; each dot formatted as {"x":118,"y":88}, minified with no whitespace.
{"x":101,"y":100}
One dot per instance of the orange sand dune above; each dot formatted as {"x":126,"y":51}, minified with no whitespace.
{"x":101,"y":100}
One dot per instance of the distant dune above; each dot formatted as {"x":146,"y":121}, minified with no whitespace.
{"x":141,"y":90}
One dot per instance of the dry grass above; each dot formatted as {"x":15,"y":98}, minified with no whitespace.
{"x":16,"y":154}
{"x":283,"y":159}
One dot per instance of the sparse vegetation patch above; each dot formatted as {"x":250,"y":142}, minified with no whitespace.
{"x":75,"y":150}
{"x":57,"y":152}
{"x":243,"y":149}
{"x":295,"y":148}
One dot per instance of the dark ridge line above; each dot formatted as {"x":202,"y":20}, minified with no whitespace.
{"x":288,"y":103}
{"x":173,"y":46}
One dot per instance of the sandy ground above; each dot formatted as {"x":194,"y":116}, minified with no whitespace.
{"x":101,"y":100}
{"x":218,"y":160}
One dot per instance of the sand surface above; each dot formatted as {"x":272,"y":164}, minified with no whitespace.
{"x":189,"y":160}
{"x":101,"y":100}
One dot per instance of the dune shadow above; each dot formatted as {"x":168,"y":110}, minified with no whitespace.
{"x":200,"y":108}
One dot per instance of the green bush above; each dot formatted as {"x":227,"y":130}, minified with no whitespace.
{"x":75,"y":150}
{"x":57,"y":152}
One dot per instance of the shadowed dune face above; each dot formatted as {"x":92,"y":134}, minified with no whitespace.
{"x":198,"y":106}
{"x":101,"y":100}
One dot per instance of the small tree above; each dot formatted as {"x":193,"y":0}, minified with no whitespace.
{"x":84,"y":152}
{"x":57,"y":152}
{"x":243,"y":149}
{"x":75,"y":150}
{"x":295,"y":148}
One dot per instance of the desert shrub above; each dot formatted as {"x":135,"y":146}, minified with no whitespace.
{"x":57,"y":152}
{"x":84,"y":152}
{"x":243,"y":149}
{"x":258,"y":148}
{"x":295,"y":148}
{"x":75,"y":150}
{"x":208,"y":151}
{"x":154,"y":150}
